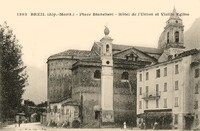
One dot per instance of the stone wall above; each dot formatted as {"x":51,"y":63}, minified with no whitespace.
{"x":59,"y":79}
{"x":84,"y":83}
{"x":124,"y":95}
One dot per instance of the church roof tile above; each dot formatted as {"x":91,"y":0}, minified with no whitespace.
{"x":143,"y":49}
{"x":76,"y":53}
{"x":116,"y":48}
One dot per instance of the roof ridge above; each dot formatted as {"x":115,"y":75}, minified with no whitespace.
{"x":71,"y":50}
{"x":74,"y":52}
{"x":77,"y":50}
{"x":135,"y":46}
{"x":188,"y":53}
{"x":153,"y":50}
{"x":137,"y":50}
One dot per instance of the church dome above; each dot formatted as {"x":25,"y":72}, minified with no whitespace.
{"x":161,"y":41}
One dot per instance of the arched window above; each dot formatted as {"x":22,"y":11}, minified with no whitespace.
{"x":176,"y":35}
{"x":167,"y":37}
{"x":131,"y":56}
{"x":136,"y":58}
{"x":126,"y":57}
{"x":107,"y":48}
{"x":124,"y":76}
{"x":97,"y":74}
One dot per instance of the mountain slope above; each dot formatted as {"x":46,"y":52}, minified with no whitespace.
{"x":192,"y":35}
{"x":37,"y":88}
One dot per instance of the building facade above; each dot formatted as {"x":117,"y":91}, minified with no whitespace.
{"x":113,"y":83}
{"x":101,"y":82}
{"x":167,"y":92}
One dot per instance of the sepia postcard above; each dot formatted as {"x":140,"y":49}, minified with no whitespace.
{"x":100,"y":65}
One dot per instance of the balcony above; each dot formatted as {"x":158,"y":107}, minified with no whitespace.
{"x":151,"y":95}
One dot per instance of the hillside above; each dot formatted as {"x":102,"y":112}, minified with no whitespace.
{"x":37,"y":88}
{"x":192,"y":35}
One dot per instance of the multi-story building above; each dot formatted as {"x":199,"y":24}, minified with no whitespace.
{"x":167,"y":92}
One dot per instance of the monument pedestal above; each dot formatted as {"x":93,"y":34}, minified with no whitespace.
{"x":107,"y":120}
{"x":107,"y":116}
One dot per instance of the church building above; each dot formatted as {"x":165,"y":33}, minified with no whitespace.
{"x":113,"y":83}
{"x":98,"y":85}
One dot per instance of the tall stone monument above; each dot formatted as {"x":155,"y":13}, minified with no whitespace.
{"x":107,"y":78}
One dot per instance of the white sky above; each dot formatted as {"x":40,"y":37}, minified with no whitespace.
{"x":44,"y":36}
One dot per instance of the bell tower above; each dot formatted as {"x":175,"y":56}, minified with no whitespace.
{"x":174,"y":31}
{"x":172,"y":39}
{"x":107,"y":78}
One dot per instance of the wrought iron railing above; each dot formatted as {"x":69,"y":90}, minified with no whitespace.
{"x":152,"y":95}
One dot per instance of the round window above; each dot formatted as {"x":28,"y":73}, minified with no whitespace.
{"x":107,"y":62}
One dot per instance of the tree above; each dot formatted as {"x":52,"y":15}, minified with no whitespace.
{"x":42,"y":104}
{"x":1,"y":39}
{"x":29,"y":108}
{"x":29,"y":103}
{"x":13,"y":74}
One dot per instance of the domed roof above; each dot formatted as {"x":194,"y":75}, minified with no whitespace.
{"x":161,"y":40}
{"x":106,"y":31}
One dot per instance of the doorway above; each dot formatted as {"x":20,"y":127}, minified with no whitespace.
{"x":188,"y":122}
{"x":97,"y":115}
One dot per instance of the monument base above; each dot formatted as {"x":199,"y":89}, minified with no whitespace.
{"x":107,"y":116}
{"x":108,"y":125}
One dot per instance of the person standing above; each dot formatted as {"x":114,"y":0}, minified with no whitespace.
{"x":19,"y":122}
{"x":155,"y":125}
{"x":124,"y":125}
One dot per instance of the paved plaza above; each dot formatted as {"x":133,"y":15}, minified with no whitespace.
{"x":39,"y":127}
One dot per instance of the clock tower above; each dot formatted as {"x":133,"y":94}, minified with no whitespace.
{"x":107,"y":78}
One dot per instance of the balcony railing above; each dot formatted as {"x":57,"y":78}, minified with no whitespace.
{"x":151,"y":95}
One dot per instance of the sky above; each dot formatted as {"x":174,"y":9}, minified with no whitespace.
{"x":42,"y":36}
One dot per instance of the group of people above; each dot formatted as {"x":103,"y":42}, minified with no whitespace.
{"x":142,"y":125}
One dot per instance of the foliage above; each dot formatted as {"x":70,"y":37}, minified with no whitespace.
{"x":30,"y":108}
{"x":42,"y":104}
{"x":13,"y":75}
{"x":29,"y":103}
{"x":41,"y":108}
